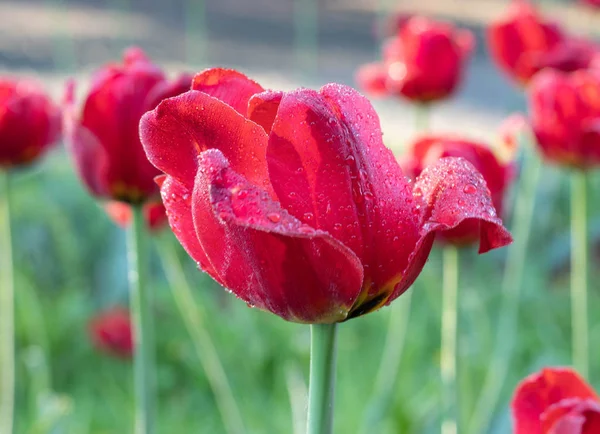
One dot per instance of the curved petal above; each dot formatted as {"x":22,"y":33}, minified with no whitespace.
{"x":177,"y":199}
{"x":180,"y":128}
{"x":330,"y":169}
{"x":267,"y":257}
{"x":536,"y":393}
{"x":452,"y":191}
{"x":169,"y":89}
{"x":262,"y":108}
{"x":230,"y":86}
{"x":372,"y":78}
{"x":570,"y":416}
{"x":91,"y":161}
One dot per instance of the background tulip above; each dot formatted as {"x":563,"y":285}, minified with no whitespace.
{"x":565,"y":117}
{"x":498,"y":175}
{"x":555,"y":401}
{"x":104,"y":138}
{"x":154,"y":213}
{"x":424,"y":62}
{"x":111,"y":332}
{"x":310,"y":190}
{"x":29,"y":122}
{"x":523,"y":43}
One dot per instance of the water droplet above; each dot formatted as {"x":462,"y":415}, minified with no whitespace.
{"x":470,"y":189}
{"x":309,"y":216}
{"x":337,"y":226}
{"x":274,"y":217}
{"x":242,"y":194}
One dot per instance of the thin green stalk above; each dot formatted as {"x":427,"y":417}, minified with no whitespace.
{"x":203,"y":344}
{"x":144,"y":369}
{"x":388,"y":373}
{"x":579,"y":271}
{"x":306,"y":40}
{"x":422,"y":118}
{"x":322,"y":378}
{"x":508,"y":318}
{"x":448,"y":356}
{"x":7,"y":311}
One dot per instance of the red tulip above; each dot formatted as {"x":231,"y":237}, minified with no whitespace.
{"x":104,"y":137}
{"x":523,"y":43}
{"x":592,"y":3}
{"x":555,"y":401}
{"x":291,"y":201}
{"x":111,"y":331}
{"x":29,"y":122}
{"x":565,"y":116}
{"x":423,"y":63}
{"x":154,"y":214}
{"x":497,"y":174}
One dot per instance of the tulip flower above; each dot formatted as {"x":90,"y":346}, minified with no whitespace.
{"x":29,"y":126}
{"x":154,"y":214}
{"x":592,"y":3}
{"x":523,"y":43}
{"x":29,"y":122}
{"x":423,"y":63}
{"x":292,"y":202}
{"x":497,"y":174}
{"x":111,"y":332}
{"x":301,"y":181}
{"x":103,"y":138}
{"x":555,"y":401}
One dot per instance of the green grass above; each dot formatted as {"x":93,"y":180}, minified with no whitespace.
{"x":70,"y":263}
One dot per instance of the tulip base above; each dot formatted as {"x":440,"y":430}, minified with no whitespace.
{"x":579,"y":270}
{"x":322,"y":378}
{"x":144,"y":370}
{"x":7,"y":311}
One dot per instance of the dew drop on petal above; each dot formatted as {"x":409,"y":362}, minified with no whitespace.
{"x":274,"y":217}
{"x":470,"y":189}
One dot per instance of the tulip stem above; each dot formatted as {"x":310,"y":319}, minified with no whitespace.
{"x":422,"y":120}
{"x":579,"y":259}
{"x":512,"y":281}
{"x":322,"y":378}
{"x":7,"y":311}
{"x":203,"y":344}
{"x":142,"y":325}
{"x":449,"y":334}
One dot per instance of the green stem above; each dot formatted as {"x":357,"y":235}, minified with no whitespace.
{"x":388,"y":374}
{"x":7,"y":311}
{"x":306,"y":39}
{"x":579,"y":270}
{"x":508,"y":318}
{"x":448,"y":357}
{"x":203,"y":343}
{"x":422,"y":118}
{"x":144,"y":370}
{"x":322,"y":378}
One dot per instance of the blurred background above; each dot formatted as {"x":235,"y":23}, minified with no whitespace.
{"x":71,"y":262}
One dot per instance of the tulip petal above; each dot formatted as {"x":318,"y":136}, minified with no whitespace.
{"x":570,"y":416}
{"x":262,"y":108}
{"x":330,"y":170}
{"x":372,"y":79}
{"x":453,"y":191}
{"x":177,"y":199}
{"x":539,"y":391}
{"x":230,"y":86}
{"x":267,"y":257}
{"x":180,"y":128}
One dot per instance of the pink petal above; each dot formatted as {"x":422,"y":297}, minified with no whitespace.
{"x":263,"y":107}
{"x":180,"y":128}
{"x":230,"y":86}
{"x":267,"y":257}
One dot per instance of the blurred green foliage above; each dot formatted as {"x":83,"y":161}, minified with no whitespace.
{"x":70,"y":263}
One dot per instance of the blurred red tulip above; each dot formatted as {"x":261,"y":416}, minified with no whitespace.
{"x":29,"y":122}
{"x":154,"y":214}
{"x":423,"y":63}
{"x":111,"y":331}
{"x":522,"y":43}
{"x":498,"y":175}
{"x":104,"y":138}
{"x":593,"y":3}
{"x":291,"y":200}
{"x":555,"y":401}
{"x":565,"y":116}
